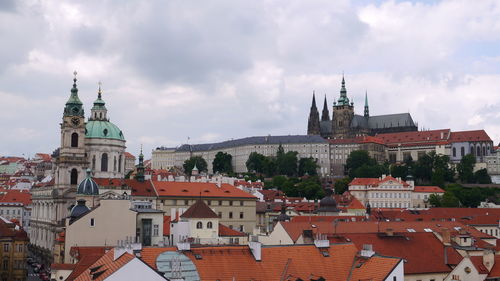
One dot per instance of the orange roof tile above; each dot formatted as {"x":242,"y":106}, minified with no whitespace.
{"x":199,"y":210}
{"x":477,"y":261}
{"x":409,"y":247}
{"x":415,"y":137}
{"x":226,"y":231}
{"x":199,"y":189}
{"x":166,"y":225}
{"x":129,"y":155}
{"x":495,"y":270}
{"x":433,"y":189}
{"x":463,"y":136}
{"x":108,"y":266}
{"x":16,"y":196}
{"x":375,"y":268}
{"x":150,"y":254}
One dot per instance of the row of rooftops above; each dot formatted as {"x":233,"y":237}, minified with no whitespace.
{"x":414,"y":138}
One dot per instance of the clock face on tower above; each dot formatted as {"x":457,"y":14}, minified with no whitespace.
{"x":75,"y":121}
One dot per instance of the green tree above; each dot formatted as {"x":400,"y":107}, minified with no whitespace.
{"x":255,"y":162}
{"x":435,"y":200}
{"x":279,"y":181}
{"x":449,"y":200}
{"x":400,"y":171}
{"x":222,"y":163}
{"x":309,"y":166}
{"x":423,"y":168}
{"x":465,"y":168}
{"x":269,"y":166}
{"x":287,"y":163}
{"x":200,"y":163}
{"x":481,"y":176}
{"x":438,"y":177}
{"x":342,"y":185}
{"x":356,"y":160}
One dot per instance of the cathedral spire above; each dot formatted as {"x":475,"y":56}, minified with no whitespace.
{"x":313,"y":127}
{"x":140,"y":168}
{"x":367,"y":111}
{"x":325,"y":115}
{"x":74,"y":106}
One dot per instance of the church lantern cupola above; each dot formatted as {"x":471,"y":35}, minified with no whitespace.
{"x":99,"y":111}
{"x":74,"y":106}
{"x":140,"y":168}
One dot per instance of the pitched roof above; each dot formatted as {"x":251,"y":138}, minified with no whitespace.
{"x":495,"y":270}
{"x":464,"y":136}
{"x":477,"y":261}
{"x":226,"y":231}
{"x":433,"y":189}
{"x":16,"y":196}
{"x":106,"y":264}
{"x":376,"y":181}
{"x":129,"y":155}
{"x":138,"y":188}
{"x":199,"y":189}
{"x":415,"y":136}
{"x":409,"y":247}
{"x":199,"y":210}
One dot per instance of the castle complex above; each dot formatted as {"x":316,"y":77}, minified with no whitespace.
{"x":345,"y":124}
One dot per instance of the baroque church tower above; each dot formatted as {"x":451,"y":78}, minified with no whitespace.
{"x":343,"y":113}
{"x":313,"y":127}
{"x":72,"y":161}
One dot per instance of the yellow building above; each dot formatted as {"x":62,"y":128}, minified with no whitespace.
{"x":13,"y":250}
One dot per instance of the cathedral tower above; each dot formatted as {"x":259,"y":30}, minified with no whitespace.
{"x":325,"y":115}
{"x":343,"y":113}
{"x":71,"y":162}
{"x":367,"y":111}
{"x":313,"y":122}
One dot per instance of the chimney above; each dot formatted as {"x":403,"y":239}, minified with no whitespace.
{"x":389,"y":232}
{"x":488,"y":259}
{"x":256,"y":249}
{"x":445,"y":235}
{"x":367,"y":251}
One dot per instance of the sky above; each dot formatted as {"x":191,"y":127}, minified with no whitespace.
{"x":176,"y":72}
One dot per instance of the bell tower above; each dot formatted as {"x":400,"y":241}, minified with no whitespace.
{"x":343,"y":113}
{"x":71,"y":162}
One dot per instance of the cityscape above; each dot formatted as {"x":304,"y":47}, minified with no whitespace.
{"x":318,"y":140}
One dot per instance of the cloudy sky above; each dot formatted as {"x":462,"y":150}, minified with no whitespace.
{"x":216,"y":70}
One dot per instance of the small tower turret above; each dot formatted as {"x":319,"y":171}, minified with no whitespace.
{"x":140,"y":168}
{"x":99,"y":111}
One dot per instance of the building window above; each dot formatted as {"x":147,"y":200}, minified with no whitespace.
{"x":186,"y":202}
{"x":242,"y":228}
{"x":6,"y":247}
{"x":220,"y":202}
{"x":199,"y":225}
{"x":220,"y":214}
{"x":209,"y":202}
{"x":462,"y":151}
{"x":454,"y":152}
{"x":120,"y":164}
{"x":230,"y":203}
{"x":156,"y":230}
{"x":92,"y":222}
{"x":241,"y":215}
{"x":5,"y":264}
{"x":478,"y":151}
{"x":241,"y":203}
{"x":114,"y":164}
{"x":230,"y":215}
{"x":74,"y":177}
{"x":209,"y":224}
{"x":104,"y":162}
{"x":74,"y":140}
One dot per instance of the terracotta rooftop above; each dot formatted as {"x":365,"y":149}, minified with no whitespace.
{"x":16,"y":196}
{"x":129,"y":155}
{"x":477,"y":261}
{"x":226,"y":231}
{"x":166,"y":225}
{"x":199,"y":189}
{"x":199,"y":210}
{"x":376,"y":181}
{"x":410,"y":247}
{"x":415,"y":137}
{"x":495,"y":271}
{"x":465,"y":136}
{"x":433,"y":189}
{"x":106,"y":264}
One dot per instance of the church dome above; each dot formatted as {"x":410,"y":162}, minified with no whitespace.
{"x":328,"y":203}
{"x":78,"y":210}
{"x":88,"y":186}
{"x":103,"y":130}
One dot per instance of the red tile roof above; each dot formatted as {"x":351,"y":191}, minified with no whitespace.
{"x":409,"y":247}
{"x":477,"y":261}
{"x":16,"y":196}
{"x":199,"y":210}
{"x":166,"y":225}
{"x":415,"y":137}
{"x":108,"y":266}
{"x":376,"y":181}
{"x":225,"y":231}
{"x":150,"y":254}
{"x":465,"y":136}
{"x":495,"y":270}
{"x":197,"y":189}
{"x":428,"y":189}
{"x":138,"y":188}
{"x":129,"y":155}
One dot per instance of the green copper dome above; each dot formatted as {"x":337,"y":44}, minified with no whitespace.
{"x":103,"y":129}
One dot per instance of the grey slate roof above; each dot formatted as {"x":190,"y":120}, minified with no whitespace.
{"x":383,"y":121}
{"x":253,"y":141}
{"x":326,"y":127}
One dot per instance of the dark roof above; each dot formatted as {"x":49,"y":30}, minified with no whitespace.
{"x":199,"y":210}
{"x":325,"y":126}
{"x":263,"y":140}
{"x":383,"y":121}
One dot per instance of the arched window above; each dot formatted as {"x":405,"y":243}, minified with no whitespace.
{"x":484,"y":150}
{"x":472,"y":151}
{"x":454,"y":152}
{"x":100,"y":115}
{"x":462,"y":151}
{"x":114,"y":164}
{"x":199,"y":225}
{"x":209,"y":224}
{"x":120,"y":164}
{"x":104,"y":162}
{"x":74,"y":140}
{"x":478,"y":151}
{"x":74,"y":177}
{"x":93,"y":163}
